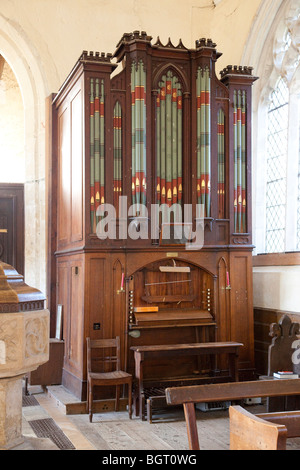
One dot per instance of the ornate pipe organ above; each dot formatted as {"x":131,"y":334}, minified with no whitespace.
{"x":162,"y":132}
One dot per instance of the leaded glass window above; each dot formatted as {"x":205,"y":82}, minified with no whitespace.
{"x":276,"y":168}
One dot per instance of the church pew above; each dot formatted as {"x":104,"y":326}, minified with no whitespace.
{"x":232,"y":391}
{"x":266,"y":431}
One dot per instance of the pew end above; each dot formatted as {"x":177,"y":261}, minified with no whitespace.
{"x":249,"y":432}
{"x":263,"y":431}
{"x":234,"y":391}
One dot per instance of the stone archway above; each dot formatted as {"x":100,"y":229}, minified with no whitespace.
{"x":258,"y":54}
{"x":23,"y":60}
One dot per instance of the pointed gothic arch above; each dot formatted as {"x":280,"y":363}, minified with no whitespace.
{"x":265,"y":48}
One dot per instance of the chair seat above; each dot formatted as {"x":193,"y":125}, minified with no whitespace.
{"x":115,"y":375}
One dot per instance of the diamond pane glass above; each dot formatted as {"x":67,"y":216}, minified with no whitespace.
{"x":276,"y":168}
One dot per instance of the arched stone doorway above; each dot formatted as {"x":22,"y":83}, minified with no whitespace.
{"x":23,"y":60}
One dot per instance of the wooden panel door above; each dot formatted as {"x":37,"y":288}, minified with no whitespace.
{"x":242,"y":327}
{"x":7,"y":253}
{"x":12,"y":225}
{"x":70,"y":287}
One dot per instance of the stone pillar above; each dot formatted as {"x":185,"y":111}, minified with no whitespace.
{"x":11,"y":412}
{"x":24,"y":345}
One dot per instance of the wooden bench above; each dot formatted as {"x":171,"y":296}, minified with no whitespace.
{"x":266,"y":431}
{"x":172,"y":351}
{"x":232,"y":391}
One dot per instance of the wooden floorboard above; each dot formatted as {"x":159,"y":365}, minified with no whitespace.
{"x":114,"y":431}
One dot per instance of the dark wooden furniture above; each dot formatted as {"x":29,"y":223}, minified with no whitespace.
{"x":175,"y":351}
{"x":188,"y":396}
{"x":264,"y":431}
{"x":107,"y":353}
{"x":284,"y":334}
{"x":263,"y":318}
{"x":49,"y":373}
{"x":282,"y":350}
{"x":139,"y":133}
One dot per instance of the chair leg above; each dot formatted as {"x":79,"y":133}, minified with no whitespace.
{"x":87,"y":397}
{"x":91,"y":402}
{"x":117,"y":402}
{"x":149,"y":410}
{"x":26,"y":385}
{"x":130,"y":400}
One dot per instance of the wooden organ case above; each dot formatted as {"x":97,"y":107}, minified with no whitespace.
{"x":162,"y":132}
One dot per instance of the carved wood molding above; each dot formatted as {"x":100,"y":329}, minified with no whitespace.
{"x":240,"y":240}
{"x":9,"y":308}
{"x":277,"y":259}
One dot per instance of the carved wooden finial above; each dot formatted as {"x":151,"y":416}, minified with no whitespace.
{"x":236,"y":70}
{"x":284,"y":328}
{"x":283,"y":334}
{"x":203,"y":42}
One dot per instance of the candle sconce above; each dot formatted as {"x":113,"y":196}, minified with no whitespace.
{"x":228,"y":287}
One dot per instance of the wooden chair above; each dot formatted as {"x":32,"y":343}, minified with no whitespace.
{"x":267,"y":431}
{"x":110,"y":374}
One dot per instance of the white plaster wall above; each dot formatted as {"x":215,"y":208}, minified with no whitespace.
{"x":42,"y":39}
{"x":12,"y":155}
{"x":60,"y":29}
{"x":277,"y":287}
